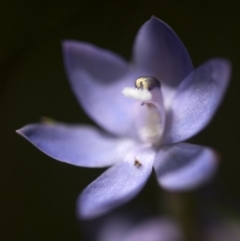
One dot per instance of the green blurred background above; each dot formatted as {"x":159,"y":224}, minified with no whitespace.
{"x":38,"y":194}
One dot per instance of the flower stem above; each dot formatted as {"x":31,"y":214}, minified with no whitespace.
{"x":183,"y":207}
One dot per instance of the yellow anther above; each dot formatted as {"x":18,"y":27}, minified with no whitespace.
{"x":147,"y":83}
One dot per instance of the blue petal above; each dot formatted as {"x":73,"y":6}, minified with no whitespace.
{"x":160,"y":53}
{"x":77,"y":145}
{"x":117,"y":185}
{"x":197,"y":100}
{"x":97,"y":78}
{"x":184,"y":166}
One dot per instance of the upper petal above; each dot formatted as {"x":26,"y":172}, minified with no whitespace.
{"x":184,"y":166}
{"x":118,"y":184}
{"x":77,"y":145}
{"x":197,"y":100}
{"x":97,"y":78}
{"x":160,"y":53}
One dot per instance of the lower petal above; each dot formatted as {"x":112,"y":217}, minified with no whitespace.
{"x":118,"y":184}
{"x":184,"y":166}
{"x":79,"y":145}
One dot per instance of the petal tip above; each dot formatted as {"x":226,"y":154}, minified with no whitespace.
{"x":154,"y":18}
{"x":68,"y":44}
{"x":23,"y":131}
{"x":20,"y":131}
{"x":223,"y":71}
{"x":225,"y":63}
{"x":83,"y":209}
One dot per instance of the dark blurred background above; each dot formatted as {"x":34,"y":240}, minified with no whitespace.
{"x":38,"y":194}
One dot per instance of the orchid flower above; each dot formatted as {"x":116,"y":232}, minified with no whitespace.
{"x":146,"y":109}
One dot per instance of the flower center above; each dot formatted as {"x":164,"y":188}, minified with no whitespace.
{"x":149,"y":113}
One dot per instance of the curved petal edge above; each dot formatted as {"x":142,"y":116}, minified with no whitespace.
{"x":97,"y":78}
{"x":197,"y":100}
{"x":184,"y":167}
{"x":117,"y":185}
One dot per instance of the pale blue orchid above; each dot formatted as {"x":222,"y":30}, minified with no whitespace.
{"x":145,"y":126}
